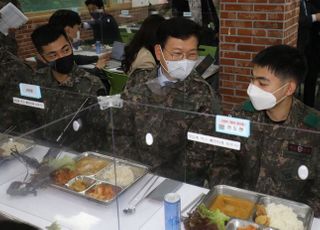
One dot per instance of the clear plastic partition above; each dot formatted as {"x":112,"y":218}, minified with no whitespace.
{"x":90,"y":163}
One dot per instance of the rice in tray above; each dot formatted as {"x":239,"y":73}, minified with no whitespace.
{"x":283,"y":217}
{"x":125,"y":176}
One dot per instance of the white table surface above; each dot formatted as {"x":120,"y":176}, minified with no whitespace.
{"x":73,"y":212}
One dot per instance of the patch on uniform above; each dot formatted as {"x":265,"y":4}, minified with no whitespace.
{"x":312,"y":120}
{"x":247,"y":106}
{"x":299,"y":149}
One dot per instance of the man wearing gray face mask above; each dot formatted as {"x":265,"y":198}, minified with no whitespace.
{"x":281,"y":155}
{"x":157,"y":137}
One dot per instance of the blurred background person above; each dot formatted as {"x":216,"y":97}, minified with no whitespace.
{"x":104,"y":26}
{"x":309,"y":44}
{"x":139,"y":53}
{"x":205,"y":14}
{"x":70,"y":22}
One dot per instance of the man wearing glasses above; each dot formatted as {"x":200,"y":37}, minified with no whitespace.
{"x":281,"y":155}
{"x":65,"y":88}
{"x":157,"y":135}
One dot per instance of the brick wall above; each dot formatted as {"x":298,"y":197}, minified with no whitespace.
{"x":26,"y":48}
{"x":248,"y":26}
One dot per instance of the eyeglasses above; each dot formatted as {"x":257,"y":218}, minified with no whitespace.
{"x":177,"y":56}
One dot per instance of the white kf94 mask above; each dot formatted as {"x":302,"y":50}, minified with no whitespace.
{"x":262,"y":100}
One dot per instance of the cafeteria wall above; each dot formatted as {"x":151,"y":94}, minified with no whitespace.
{"x":246,"y":27}
{"x":26,"y":48}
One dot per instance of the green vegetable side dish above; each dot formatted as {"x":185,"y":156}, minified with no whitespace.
{"x":66,"y":162}
{"x":216,"y":217}
{"x":204,"y":219}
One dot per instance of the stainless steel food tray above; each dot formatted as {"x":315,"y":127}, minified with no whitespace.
{"x":303,"y":211}
{"x":142,"y":169}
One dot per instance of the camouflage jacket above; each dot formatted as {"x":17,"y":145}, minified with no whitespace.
{"x":62,"y":102}
{"x":8,"y":42}
{"x":14,"y":71}
{"x":165,"y":113}
{"x":269,"y":160}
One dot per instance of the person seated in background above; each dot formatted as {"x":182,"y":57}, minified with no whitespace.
{"x":104,"y":26}
{"x":70,"y":22}
{"x":139,"y":53}
{"x":281,"y":155}
{"x":171,"y":85}
{"x":66,"y":89}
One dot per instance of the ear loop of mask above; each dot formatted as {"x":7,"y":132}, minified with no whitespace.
{"x":278,"y":90}
{"x":164,"y":60}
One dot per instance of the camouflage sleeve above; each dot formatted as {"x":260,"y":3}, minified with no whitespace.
{"x":200,"y":155}
{"x":96,"y":86}
{"x":8,"y":43}
{"x":313,"y":197}
{"x":225,"y":167}
{"x":137,"y":78}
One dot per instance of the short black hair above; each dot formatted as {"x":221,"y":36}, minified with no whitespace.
{"x":98,"y":3}
{"x":177,"y":27}
{"x":46,"y":34}
{"x":286,"y":62}
{"x":63,"y":18}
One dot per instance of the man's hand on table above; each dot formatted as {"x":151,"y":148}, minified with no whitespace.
{"x":102,"y":61}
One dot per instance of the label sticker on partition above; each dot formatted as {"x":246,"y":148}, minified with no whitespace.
{"x":28,"y":90}
{"x":233,"y":126}
{"x":221,"y":142}
{"x":25,"y":102}
{"x":187,"y":14}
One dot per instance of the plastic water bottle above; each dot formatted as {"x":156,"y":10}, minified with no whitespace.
{"x":98,"y":47}
{"x":172,"y":211}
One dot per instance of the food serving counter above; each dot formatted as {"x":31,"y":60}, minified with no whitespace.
{"x":73,"y":212}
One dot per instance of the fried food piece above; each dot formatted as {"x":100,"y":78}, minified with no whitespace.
{"x":249,"y":227}
{"x":63,"y":175}
{"x":263,"y":220}
{"x":102,"y":192}
{"x":90,"y":165}
{"x":79,"y":185}
{"x":260,"y":210}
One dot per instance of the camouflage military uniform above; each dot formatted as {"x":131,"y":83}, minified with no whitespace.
{"x":164,"y":112}
{"x":63,"y":101}
{"x":8,"y":42}
{"x":13,"y":71}
{"x":269,"y":160}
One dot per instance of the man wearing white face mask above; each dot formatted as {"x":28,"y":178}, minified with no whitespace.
{"x":281,"y":155}
{"x":157,"y":137}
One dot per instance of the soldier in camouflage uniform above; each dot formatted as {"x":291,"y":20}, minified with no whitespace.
{"x":158,"y":111}
{"x":65,"y":89}
{"x":13,"y":71}
{"x":281,"y":156}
